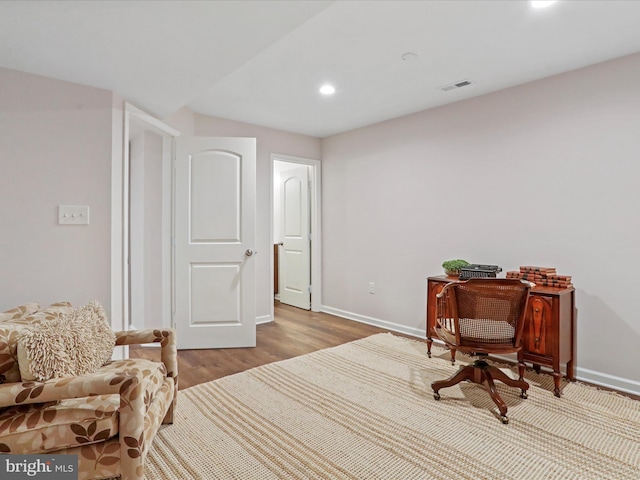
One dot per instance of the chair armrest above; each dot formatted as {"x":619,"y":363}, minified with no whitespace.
{"x":126,"y":383}
{"x":150,"y":335}
{"x":446,"y":313}
{"x":166,"y":337}
{"x":56,"y":389}
{"x":441,"y":293}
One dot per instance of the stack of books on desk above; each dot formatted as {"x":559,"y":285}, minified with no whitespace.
{"x":542,"y":276}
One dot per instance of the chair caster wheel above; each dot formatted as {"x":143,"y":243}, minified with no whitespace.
{"x":436,"y":395}
{"x":524,"y":395}
{"x":504,"y":419}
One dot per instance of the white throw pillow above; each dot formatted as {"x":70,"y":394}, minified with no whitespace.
{"x":74,"y":344}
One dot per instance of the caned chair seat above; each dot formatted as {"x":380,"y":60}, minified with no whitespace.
{"x":473,"y":331}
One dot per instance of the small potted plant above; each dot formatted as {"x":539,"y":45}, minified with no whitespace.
{"x":452,"y":267}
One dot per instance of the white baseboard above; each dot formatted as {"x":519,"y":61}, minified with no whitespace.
{"x":394,"y":327}
{"x":264,"y":319}
{"x":606,"y":380}
{"x":613,"y":382}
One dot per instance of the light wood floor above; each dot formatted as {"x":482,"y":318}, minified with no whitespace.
{"x":293,"y":332}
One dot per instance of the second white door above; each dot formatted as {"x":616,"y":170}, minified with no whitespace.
{"x":295,"y":253}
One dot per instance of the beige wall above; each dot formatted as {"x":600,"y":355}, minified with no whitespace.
{"x":541,"y":174}
{"x":183,"y":120}
{"x":61,"y":143}
{"x":544,"y":173}
{"x":55,"y":143}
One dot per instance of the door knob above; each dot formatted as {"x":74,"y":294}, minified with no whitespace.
{"x":249,"y":252}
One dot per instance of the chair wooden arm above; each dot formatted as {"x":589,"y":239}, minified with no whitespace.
{"x":442,"y":292}
{"x":446,"y":313}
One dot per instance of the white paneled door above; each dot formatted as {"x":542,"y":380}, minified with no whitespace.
{"x":214,"y":259}
{"x":295,"y":255}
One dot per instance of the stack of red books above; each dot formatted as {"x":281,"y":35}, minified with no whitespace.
{"x":542,"y":276}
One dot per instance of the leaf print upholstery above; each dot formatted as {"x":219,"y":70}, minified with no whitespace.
{"x":18,"y":312}
{"x":108,"y":418}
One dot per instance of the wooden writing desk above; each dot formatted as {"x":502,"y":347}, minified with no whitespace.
{"x":549,"y":332}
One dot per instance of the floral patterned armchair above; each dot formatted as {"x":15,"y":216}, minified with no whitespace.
{"x":108,"y":418}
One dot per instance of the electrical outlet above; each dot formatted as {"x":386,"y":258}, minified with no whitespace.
{"x":372,"y":287}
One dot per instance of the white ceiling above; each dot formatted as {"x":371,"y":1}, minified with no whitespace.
{"x":263,"y":61}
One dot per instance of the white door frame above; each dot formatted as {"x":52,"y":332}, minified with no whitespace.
{"x":316,"y":230}
{"x":120,"y":215}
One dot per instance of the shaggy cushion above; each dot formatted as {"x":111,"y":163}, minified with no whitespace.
{"x":9,"y":330}
{"x":75,"y":344}
{"x":19,"y":312}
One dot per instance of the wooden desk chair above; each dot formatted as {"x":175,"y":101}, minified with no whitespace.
{"x":483,"y":316}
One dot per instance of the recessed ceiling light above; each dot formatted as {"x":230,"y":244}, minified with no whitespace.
{"x":327,"y":89}
{"x":542,"y":3}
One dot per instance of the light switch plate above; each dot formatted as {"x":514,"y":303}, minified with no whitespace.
{"x":73,"y":215}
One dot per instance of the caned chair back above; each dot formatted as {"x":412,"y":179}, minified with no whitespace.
{"x":485,"y":314}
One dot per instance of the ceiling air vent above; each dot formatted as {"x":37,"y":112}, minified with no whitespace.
{"x":453,"y":86}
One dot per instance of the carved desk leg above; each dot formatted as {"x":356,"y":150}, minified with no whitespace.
{"x":557,"y":376}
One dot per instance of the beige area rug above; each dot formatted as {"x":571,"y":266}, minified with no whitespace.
{"x":365,"y":410}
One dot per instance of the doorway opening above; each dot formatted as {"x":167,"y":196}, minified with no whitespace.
{"x":296,"y":232}
{"x":147,"y":221}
